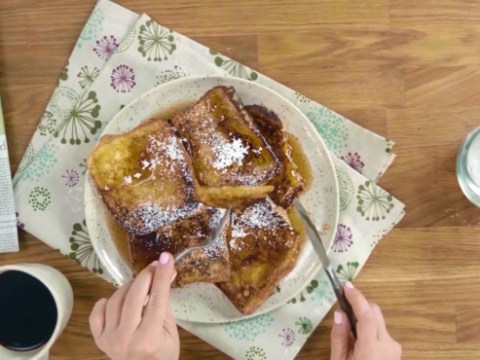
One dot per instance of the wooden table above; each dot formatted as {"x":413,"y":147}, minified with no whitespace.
{"x":409,"y":70}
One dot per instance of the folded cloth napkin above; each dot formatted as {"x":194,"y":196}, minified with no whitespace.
{"x":119,"y":56}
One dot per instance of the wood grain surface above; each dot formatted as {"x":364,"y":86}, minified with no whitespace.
{"x":409,"y":70}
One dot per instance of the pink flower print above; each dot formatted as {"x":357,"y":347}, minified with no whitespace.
{"x":105,"y":47}
{"x":288,"y":336}
{"x":123,"y":79}
{"x":71,"y":178}
{"x":343,"y":238}
{"x":354,"y":161}
{"x":20,"y":224}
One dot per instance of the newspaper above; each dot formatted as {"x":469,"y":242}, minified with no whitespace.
{"x":8,"y":222}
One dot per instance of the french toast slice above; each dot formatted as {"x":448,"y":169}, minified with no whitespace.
{"x":232,"y":196}
{"x":144,"y":177}
{"x":211,"y":264}
{"x":264,"y":248}
{"x":288,"y":182}
{"x":226,"y":148}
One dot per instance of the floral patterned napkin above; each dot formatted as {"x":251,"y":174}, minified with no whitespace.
{"x":119,"y":56}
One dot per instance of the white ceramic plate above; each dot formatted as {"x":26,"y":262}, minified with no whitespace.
{"x":204,"y":302}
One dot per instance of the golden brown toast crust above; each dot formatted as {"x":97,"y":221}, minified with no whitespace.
{"x":263,"y":249}
{"x":288,"y":182}
{"x":225,"y":146}
{"x":144,"y":177}
{"x":203,"y":265}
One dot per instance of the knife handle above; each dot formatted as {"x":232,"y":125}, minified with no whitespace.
{"x":342,"y":300}
{"x":347,"y":308}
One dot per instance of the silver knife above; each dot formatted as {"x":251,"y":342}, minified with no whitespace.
{"x":317,"y":244}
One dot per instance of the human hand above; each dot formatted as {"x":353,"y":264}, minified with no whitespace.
{"x":373,"y":340}
{"x":127,"y":327}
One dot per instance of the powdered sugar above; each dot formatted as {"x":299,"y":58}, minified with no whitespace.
{"x":215,"y":219}
{"x":229,"y":153}
{"x":261,"y":224}
{"x":238,"y":232}
{"x":261,"y":215}
{"x":149,"y":218}
{"x":166,"y":152}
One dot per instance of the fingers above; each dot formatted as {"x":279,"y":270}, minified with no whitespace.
{"x":114,"y":307}
{"x":97,"y":318}
{"x":340,"y":336}
{"x":381,"y":326}
{"x":366,"y":319}
{"x":159,"y":301}
{"x":136,"y":296}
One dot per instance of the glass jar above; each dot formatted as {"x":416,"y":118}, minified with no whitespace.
{"x":468,"y":167}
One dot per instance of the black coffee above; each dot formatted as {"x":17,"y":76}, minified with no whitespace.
{"x":28,"y":313}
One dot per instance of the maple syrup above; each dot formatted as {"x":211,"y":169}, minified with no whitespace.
{"x":119,"y":237}
{"x":300,"y":159}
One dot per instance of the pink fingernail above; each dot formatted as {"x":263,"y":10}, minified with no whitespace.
{"x":164,"y":258}
{"x":349,"y":285}
{"x":337,"y":317}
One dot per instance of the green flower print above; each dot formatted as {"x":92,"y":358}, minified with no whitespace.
{"x":249,"y":329}
{"x":309,"y":290}
{"x":62,"y":101}
{"x":81,"y":121}
{"x":42,"y":164}
{"x":345,"y":187}
{"x":82,"y":249}
{"x":91,"y":28}
{"x":348,"y":272}
{"x":323,"y":294}
{"x":170,"y":74}
{"x":234,"y":67}
{"x":389,"y":146}
{"x":304,"y":324}
{"x":39,"y":198}
{"x":300,"y":99}
{"x":83,"y":166}
{"x":86,"y":76}
{"x":155,"y":42}
{"x":374,"y":203}
{"x":331,"y":127}
{"x":127,"y":41}
{"x":27,"y":158}
{"x":255,"y":353}
{"x":64,"y":74}
{"x":48,"y":124}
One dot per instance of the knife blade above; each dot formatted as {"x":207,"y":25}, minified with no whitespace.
{"x":319,"y":248}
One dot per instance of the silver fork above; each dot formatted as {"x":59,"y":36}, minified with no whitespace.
{"x":209,"y":241}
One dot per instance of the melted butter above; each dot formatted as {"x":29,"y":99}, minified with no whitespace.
{"x":300,"y":159}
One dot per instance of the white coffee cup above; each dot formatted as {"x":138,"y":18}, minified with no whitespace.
{"x":62,"y":293}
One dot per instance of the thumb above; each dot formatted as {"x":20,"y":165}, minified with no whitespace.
{"x":340,"y":336}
